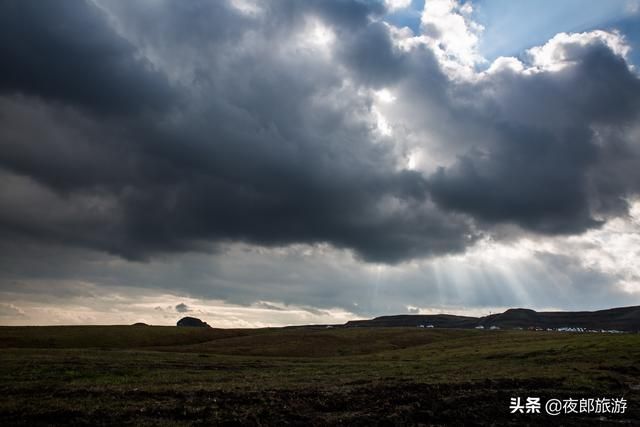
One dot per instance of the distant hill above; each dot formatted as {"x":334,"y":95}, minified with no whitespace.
{"x":437,"y":320}
{"x":622,"y":319}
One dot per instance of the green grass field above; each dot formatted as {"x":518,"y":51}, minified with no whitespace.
{"x":128,"y":375}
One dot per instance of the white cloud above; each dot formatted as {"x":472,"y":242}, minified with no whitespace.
{"x":614,"y":249}
{"x":556,"y":53}
{"x":11,"y":311}
{"x":505,"y":63}
{"x":249,"y":7}
{"x":448,"y":28}
{"x":394,"y":5}
{"x":127,"y":305}
{"x":316,"y":35}
{"x":385,"y":95}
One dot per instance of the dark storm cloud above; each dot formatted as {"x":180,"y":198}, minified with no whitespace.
{"x":555,"y":138}
{"x":532,"y":178}
{"x":271,"y":148}
{"x":343,"y":13}
{"x":67,"y":51}
{"x":371,"y":54}
{"x":147,"y":127}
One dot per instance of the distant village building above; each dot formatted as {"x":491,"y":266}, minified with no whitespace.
{"x":570,"y":329}
{"x":480,"y":327}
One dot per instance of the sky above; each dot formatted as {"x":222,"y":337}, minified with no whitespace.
{"x":261,"y":164}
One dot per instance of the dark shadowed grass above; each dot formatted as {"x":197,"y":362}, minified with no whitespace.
{"x":307,"y":376}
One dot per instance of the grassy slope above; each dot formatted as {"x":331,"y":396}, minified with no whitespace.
{"x":108,"y":336}
{"x":305,"y":375}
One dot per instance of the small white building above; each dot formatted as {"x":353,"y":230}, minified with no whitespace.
{"x":480,"y":327}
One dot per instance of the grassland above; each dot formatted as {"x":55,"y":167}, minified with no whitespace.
{"x":126,"y":375}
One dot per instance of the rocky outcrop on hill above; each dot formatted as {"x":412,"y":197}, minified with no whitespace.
{"x":192,"y":322}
